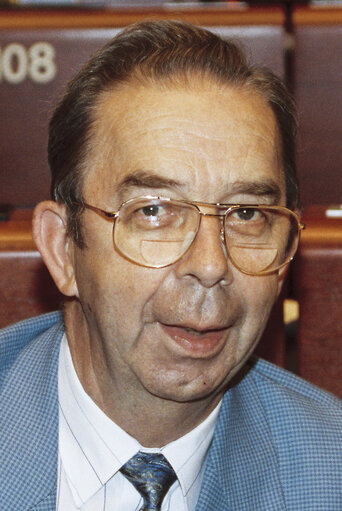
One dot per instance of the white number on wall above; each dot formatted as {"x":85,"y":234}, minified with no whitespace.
{"x":18,"y":63}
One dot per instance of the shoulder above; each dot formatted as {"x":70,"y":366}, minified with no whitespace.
{"x":29,"y":354}
{"x":304,"y":424}
{"x":279,"y":420}
{"x":278,"y":386}
{"x":295,"y":408}
{"x":20,"y":337}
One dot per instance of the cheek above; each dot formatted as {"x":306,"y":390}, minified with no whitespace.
{"x":114,"y":292}
{"x":258,"y":295}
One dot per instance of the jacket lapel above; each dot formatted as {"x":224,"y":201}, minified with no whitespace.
{"x":242,"y":471}
{"x":47,"y":504}
{"x":30,"y":426}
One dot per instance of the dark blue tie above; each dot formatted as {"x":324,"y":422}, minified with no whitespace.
{"x":152,"y":476}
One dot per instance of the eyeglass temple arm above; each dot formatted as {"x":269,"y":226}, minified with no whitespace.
{"x":102,"y":212}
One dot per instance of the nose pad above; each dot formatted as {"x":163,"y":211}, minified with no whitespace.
{"x":223,"y":239}
{"x":222,"y":235}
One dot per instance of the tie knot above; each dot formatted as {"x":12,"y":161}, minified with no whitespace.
{"x":152,"y":475}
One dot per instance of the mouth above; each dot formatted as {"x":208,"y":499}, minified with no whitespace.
{"x":204,"y":342}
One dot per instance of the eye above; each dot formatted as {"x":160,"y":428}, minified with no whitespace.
{"x":152,"y":210}
{"x":248,"y":214}
{"x":248,"y":221}
{"x":153,"y":213}
{"x":151,"y":216}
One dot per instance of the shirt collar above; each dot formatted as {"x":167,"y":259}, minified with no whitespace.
{"x":91,"y":440}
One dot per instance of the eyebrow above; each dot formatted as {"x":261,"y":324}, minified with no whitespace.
{"x":268,"y":188}
{"x":143,"y":178}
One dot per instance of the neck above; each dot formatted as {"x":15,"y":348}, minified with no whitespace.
{"x":161,"y":423}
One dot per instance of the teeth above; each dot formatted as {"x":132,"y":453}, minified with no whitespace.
{"x":191,"y":331}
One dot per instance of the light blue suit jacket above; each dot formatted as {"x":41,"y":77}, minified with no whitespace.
{"x":277,"y":444}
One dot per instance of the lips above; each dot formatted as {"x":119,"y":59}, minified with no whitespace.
{"x":199,"y":342}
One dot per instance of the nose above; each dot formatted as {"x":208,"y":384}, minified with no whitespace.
{"x":206,"y":259}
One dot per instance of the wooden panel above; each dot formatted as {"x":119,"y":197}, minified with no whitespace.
{"x":16,"y":235}
{"x":77,"y":18}
{"x":26,"y":288}
{"x":318,"y":85}
{"x":318,"y":278}
{"x":317,"y":15}
{"x":48,"y":58}
{"x":27,"y":106}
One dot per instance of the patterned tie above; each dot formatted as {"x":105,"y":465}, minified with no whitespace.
{"x":152,"y":476}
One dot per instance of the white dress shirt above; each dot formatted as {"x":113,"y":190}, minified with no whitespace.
{"x":92,"y":449}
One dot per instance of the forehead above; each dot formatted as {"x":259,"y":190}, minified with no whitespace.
{"x":204,"y":136}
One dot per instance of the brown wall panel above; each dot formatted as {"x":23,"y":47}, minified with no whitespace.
{"x":26,"y":288}
{"x":318,"y":86}
{"x":25,"y":108}
{"x":318,"y":289}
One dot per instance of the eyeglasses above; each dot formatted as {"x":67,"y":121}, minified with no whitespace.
{"x":156,"y":232}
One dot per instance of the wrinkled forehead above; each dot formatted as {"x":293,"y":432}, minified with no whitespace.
{"x":197,"y":133}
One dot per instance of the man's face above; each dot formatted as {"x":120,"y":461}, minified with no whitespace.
{"x":183,"y":331}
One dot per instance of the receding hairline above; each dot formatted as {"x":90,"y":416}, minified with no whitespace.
{"x":99,"y":131}
{"x":194,"y":81}
{"x":189,"y":79}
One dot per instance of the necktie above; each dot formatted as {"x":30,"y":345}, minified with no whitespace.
{"x":152,"y":475}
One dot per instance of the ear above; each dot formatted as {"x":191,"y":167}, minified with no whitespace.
{"x":283,"y":271}
{"x":53,"y":242}
{"x":281,"y":277}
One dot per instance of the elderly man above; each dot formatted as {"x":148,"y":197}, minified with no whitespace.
{"x":173,"y":222}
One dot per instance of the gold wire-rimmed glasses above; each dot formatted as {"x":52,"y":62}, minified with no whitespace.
{"x":157,"y":231}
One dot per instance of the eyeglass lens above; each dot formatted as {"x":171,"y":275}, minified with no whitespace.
{"x":156,"y":233}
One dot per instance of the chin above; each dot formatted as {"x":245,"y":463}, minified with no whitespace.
{"x":185,"y":391}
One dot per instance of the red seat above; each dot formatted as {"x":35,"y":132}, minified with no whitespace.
{"x":318,"y":289}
